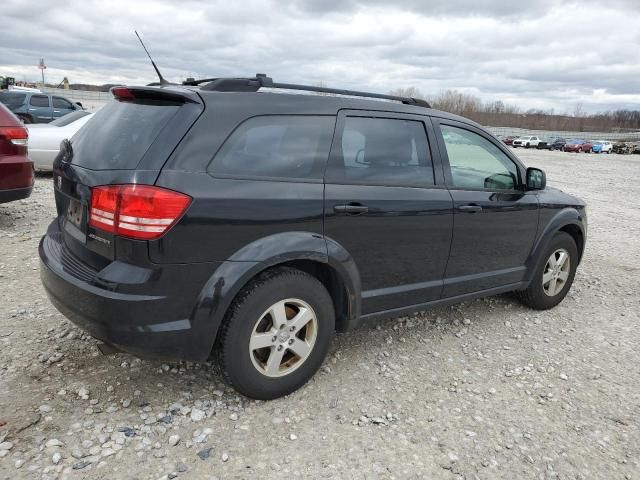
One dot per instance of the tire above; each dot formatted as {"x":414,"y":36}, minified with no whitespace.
{"x":288,"y":291}
{"x":539,"y":297}
{"x":26,"y":119}
{"x":527,"y":146}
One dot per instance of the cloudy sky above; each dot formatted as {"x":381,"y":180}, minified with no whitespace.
{"x":541,"y":54}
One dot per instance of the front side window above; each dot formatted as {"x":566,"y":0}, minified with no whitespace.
{"x":476,"y":163}
{"x":278,"y":146}
{"x":61,"y":103}
{"x":383,"y":151}
{"x":39,"y":101}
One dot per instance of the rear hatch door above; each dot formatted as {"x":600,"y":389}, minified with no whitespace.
{"x":126,"y":142}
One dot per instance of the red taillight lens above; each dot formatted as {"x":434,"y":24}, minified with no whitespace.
{"x":13,"y":140}
{"x":104,"y":208}
{"x":142,"y":212}
{"x":16,"y":135}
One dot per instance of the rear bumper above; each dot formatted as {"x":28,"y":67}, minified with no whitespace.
{"x":15,"y":194}
{"x":155,"y":323}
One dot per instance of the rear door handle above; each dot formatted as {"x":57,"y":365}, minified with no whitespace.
{"x":351,"y":208}
{"x":470,"y":208}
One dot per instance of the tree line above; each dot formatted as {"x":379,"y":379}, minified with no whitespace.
{"x":499,"y":114}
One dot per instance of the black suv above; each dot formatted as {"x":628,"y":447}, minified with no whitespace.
{"x":239,"y":218}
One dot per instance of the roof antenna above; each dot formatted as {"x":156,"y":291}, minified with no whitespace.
{"x":163,"y":82}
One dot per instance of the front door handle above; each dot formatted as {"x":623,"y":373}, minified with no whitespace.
{"x":351,"y":208}
{"x":470,"y":208}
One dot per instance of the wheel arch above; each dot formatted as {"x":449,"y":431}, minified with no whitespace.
{"x":568,"y":220}
{"x":305,"y":251}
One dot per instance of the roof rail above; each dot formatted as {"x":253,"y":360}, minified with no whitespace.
{"x":262,"y":80}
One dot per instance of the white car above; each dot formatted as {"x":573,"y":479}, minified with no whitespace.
{"x":45,"y":138}
{"x":526,"y":142}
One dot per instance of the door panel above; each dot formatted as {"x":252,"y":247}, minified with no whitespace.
{"x":490,"y":246}
{"x":40,"y":108}
{"x":400,"y":245}
{"x":495,"y":219}
{"x":391,"y":216}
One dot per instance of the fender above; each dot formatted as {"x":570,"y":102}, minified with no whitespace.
{"x":232,"y":275}
{"x":566,"y":216}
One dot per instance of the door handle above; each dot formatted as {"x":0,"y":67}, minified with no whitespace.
{"x":351,"y":208}
{"x":470,"y":208}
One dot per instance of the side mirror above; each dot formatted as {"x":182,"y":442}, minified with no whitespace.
{"x":536,"y":179}
{"x":80,"y":105}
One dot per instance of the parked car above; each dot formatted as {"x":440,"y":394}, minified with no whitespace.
{"x":16,"y":168}
{"x":587,"y":146}
{"x":575,"y":145}
{"x":44,"y":139}
{"x":36,"y":107}
{"x":545,"y":143}
{"x":254,"y":244}
{"x":526,"y":142}
{"x":602,"y":146}
{"x":558,"y":143}
{"x":509,"y":140}
{"x":622,"y":147}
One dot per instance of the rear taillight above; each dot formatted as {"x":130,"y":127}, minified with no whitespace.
{"x":14,"y":140}
{"x":142,"y":212}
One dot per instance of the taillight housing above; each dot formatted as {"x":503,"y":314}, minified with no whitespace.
{"x":141,"y":212}
{"x":13,"y":140}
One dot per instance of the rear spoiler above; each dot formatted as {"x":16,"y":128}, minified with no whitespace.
{"x":172,"y":95}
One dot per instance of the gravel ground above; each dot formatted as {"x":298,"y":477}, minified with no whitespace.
{"x":483,"y":390}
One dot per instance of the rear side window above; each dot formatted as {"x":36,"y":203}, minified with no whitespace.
{"x":12,"y":100}
{"x":277,"y":146}
{"x":120,"y":134}
{"x":39,"y":101}
{"x":383,"y":151}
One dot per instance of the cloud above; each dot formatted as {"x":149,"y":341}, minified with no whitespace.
{"x":542,"y":54}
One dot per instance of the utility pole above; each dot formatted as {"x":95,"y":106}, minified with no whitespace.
{"x":42,"y":68}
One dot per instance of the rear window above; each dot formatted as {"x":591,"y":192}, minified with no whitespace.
{"x":12,"y":100}
{"x":119,"y":135}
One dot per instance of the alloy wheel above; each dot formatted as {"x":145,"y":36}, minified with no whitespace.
{"x":556,"y":272}
{"x":283,"y":337}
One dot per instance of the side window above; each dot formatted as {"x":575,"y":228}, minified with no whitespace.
{"x":383,"y":151}
{"x":476,"y":163}
{"x":61,"y":103}
{"x":277,"y":146}
{"x":39,"y":101}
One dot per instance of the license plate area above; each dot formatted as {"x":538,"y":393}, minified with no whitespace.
{"x":75,"y":220}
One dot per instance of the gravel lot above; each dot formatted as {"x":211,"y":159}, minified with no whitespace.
{"x":483,"y":390}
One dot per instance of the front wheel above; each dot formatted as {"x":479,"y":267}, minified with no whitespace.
{"x":554,"y":274}
{"x":276,"y":334}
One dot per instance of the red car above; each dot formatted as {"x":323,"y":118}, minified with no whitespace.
{"x":577,"y":146}
{"x":16,"y":168}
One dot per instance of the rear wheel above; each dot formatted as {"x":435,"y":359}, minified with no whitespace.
{"x":554,"y":274}
{"x":26,"y":119}
{"x":276,"y":334}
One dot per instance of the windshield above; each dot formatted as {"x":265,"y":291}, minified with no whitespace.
{"x":69,"y":118}
{"x":11,"y":99}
